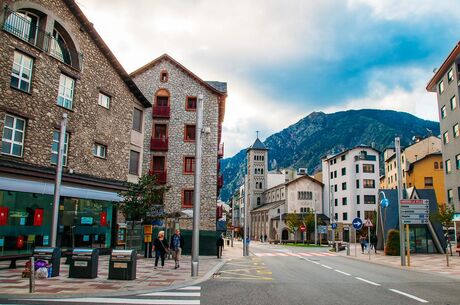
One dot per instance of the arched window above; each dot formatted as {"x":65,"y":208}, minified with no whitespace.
{"x":23,"y":24}
{"x":258,"y":200}
{"x":436,"y":165}
{"x":162,"y":98}
{"x":59,"y":48}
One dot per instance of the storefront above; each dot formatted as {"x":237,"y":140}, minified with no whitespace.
{"x":85,"y":219}
{"x":421,"y":240}
{"x":455,"y":235}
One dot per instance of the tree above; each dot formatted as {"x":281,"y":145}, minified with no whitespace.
{"x":445,"y":215}
{"x":142,"y":200}
{"x":293,"y":223}
{"x":308,"y":221}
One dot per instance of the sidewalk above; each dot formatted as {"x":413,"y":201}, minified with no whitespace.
{"x":431,"y":263}
{"x":147,"y":279}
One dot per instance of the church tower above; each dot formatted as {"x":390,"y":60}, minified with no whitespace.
{"x":257,"y":166}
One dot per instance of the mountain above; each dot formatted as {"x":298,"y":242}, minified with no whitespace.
{"x":318,"y":134}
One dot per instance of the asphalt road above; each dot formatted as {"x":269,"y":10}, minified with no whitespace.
{"x":309,"y":278}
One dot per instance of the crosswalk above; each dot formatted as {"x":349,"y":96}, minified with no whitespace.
{"x":295,"y":254}
{"x":190,"y":295}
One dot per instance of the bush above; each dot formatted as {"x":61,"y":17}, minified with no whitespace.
{"x":392,"y":243}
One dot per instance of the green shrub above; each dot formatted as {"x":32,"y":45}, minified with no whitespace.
{"x":392,"y":243}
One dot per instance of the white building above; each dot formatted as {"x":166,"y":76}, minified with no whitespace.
{"x":351,"y":183}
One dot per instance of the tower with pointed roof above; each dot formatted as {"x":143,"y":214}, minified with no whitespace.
{"x":256,"y":178}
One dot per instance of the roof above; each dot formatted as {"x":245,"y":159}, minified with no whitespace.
{"x":218,"y":88}
{"x":302,"y":177}
{"x":89,"y":28}
{"x":411,"y":165}
{"x":258,"y":145}
{"x":268,"y":206}
{"x":431,"y":86}
{"x":327,"y":158}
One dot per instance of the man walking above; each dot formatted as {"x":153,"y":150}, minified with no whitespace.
{"x":176,"y":245}
{"x":220,"y":246}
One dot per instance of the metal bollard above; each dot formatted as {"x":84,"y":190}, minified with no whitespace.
{"x":348,"y":249}
{"x":32,"y":275}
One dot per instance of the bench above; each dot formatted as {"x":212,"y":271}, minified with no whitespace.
{"x":13,"y":258}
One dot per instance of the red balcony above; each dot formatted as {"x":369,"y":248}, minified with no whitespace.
{"x":220,"y":181}
{"x":161,"y":176}
{"x":161,"y":112}
{"x":220,"y":152}
{"x":160,"y":144}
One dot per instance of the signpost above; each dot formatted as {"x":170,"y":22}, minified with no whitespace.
{"x":414,"y":211}
{"x":322,"y":230}
{"x":369,"y":224}
{"x":357,"y":225}
{"x":302,"y":229}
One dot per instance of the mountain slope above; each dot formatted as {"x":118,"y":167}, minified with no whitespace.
{"x":305,"y":142}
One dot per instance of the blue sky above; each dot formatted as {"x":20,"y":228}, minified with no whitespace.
{"x":285,"y":59}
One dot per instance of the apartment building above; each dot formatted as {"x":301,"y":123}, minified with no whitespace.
{"x":351,"y":181}
{"x":54,"y":63}
{"x":169,"y":142}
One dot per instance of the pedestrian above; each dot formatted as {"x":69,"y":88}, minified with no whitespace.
{"x":374,"y":241}
{"x":176,"y":245}
{"x":362,"y":242}
{"x":265,"y":237}
{"x":160,"y":246}
{"x":220,"y":246}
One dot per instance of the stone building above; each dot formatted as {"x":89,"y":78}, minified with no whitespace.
{"x":169,"y":145}
{"x":53,"y":63}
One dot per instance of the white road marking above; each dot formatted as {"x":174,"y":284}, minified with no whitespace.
{"x":121,"y":301}
{"x":326,"y":266}
{"x":171,"y":294}
{"x":369,"y":282}
{"x":191,"y":288}
{"x":410,"y":296}
{"x":342,"y":272}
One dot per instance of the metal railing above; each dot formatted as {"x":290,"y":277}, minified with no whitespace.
{"x":159,"y":144}
{"x":161,"y":111}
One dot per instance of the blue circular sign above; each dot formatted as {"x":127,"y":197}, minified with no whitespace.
{"x":357,"y":223}
{"x":384,"y":202}
{"x":334,"y":226}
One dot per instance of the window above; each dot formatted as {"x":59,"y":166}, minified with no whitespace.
{"x":456,"y":131}
{"x":303,"y":195}
{"x":336,"y":202}
{"x":457,"y":161}
{"x":344,"y":186}
{"x":345,"y":216}
{"x":450,"y":196}
{"x":137,"y":119}
{"x":332,"y":175}
{"x":100,"y":150}
{"x":357,"y":184}
{"x":55,"y":148}
{"x":369,"y":183}
{"x":453,"y":103}
{"x":368,"y":168}
{"x":441,"y":87}
{"x":189,"y":132}
{"x":134,"y":162}
{"x":59,"y":49}
{"x":358,"y":199}
{"x":448,"y":167}
{"x":258,"y":200}
{"x":441,"y":165}
{"x":164,"y":76}
{"x":160,"y":131}
{"x":358,"y":214}
{"x":162,"y":101}
{"x":189,"y":165}
{"x":66,"y":90}
{"x":335,"y":174}
{"x":21,"y":74}
{"x":104,"y":100}
{"x":369,"y":199}
{"x":23,"y":24}
{"x":450,"y":75}
{"x":335,"y":188}
{"x":187,"y":199}
{"x":443,"y":112}
{"x":13,"y":136}
{"x":191,"y":103}
{"x":428,"y":181}
{"x":357,"y":168}
{"x":436,"y":165}
{"x":344,"y":171}
{"x":336,"y":216}
{"x":344,"y":201}
{"x":445,"y":137}
{"x":342,"y":158}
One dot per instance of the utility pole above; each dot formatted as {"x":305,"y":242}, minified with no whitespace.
{"x":400,"y":196}
{"x":58,"y":179}
{"x":197,"y":187}
{"x":246,"y":226}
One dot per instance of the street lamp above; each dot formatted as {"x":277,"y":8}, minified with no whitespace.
{"x":381,"y":204}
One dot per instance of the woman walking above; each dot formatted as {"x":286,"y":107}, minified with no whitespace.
{"x":362,"y":241}
{"x":160,"y":246}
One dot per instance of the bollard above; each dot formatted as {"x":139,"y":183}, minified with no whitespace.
{"x":348,"y":249}
{"x":32,"y":275}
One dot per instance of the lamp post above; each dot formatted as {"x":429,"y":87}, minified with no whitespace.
{"x":400,"y":197}
{"x":381,"y":204}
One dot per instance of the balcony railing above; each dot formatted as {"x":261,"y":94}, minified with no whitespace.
{"x":159,"y":144}
{"x":161,"y":176}
{"x":220,"y":152}
{"x":220,"y":181}
{"x":28,"y":30}
{"x":161,"y":111}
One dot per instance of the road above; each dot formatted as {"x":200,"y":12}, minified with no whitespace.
{"x":294,"y":275}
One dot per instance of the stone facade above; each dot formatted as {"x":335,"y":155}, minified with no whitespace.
{"x":88,"y":123}
{"x":180,"y":85}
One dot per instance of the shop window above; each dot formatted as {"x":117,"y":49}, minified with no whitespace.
{"x":13,"y":136}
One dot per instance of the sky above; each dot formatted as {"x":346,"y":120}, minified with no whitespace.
{"x":283,"y":60}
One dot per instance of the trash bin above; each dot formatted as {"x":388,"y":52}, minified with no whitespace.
{"x":122,"y":265}
{"x":52,"y":256}
{"x":84,"y":263}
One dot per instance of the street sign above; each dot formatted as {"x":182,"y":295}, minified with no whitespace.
{"x":334,"y":226}
{"x":415,"y":211}
{"x":384,"y":202}
{"x":368,"y":223}
{"x":322,"y":229}
{"x":303,"y":228}
{"x":357,"y":223}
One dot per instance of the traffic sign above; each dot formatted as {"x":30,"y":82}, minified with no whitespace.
{"x":334,"y":226}
{"x":357,"y":223}
{"x":415,"y":211}
{"x":322,"y":229}
{"x":384,"y":202}
{"x":368,"y":223}
{"x":303,"y":228}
